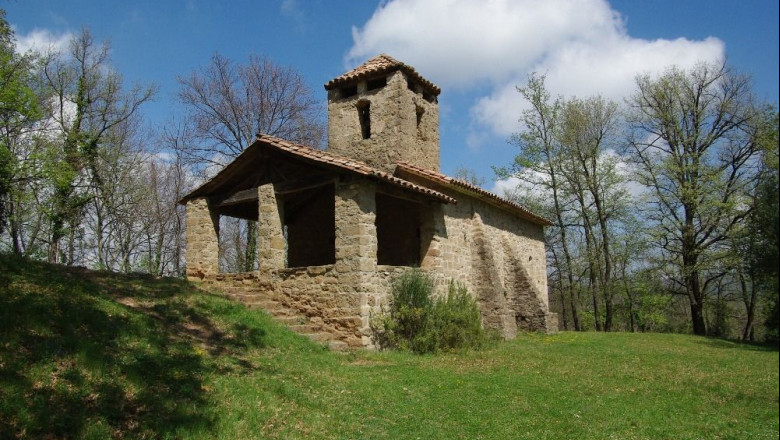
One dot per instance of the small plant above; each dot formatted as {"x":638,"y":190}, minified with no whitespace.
{"x":417,"y":323}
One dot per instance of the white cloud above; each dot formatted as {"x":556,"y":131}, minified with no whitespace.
{"x":506,"y":187}
{"x":581,"y":45}
{"x":458,"y":42}
{"x":42,"y":40}
{"x":584,"y":70}
{"x":535,"y":184}
{"x":529,"y":183}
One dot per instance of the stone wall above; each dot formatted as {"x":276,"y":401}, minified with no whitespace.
{"x":498,"y":257}
{"x":404,"y":126}
{"x":320,"y":294}
{"x":202,"y":246}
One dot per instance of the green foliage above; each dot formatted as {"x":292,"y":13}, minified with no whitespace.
{"x":18,"y":109}
{"x":651,"y":313}
{"x":772,"y":322}
{"x":719,"y":318}
{"x":417,"y":323}
{"x":764,"y":221}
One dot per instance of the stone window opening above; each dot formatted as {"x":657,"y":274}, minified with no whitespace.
{"x":364,"y":114}
{"x":237,"y":244}
{"x":310,"y":227}
{"x":348,"y":91}
{"x":376,"y":84}
{"x":411,"y":85}
{"x":398,"y":231}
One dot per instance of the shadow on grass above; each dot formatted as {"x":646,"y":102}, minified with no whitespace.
{"x":734,"y":344}
{"x":75,"y":364}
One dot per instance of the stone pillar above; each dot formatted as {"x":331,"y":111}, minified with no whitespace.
{"x":433,"y":231}
{"x":271,"y":246}
{"x":356,"y":247}
{"x":202,"y":249}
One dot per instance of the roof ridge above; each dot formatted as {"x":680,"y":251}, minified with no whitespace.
{"x":377,"y":65}
{"x":455,"y":182}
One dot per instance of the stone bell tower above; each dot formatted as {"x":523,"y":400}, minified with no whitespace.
{"x":382,"y":112}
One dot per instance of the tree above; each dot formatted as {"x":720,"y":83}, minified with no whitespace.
{"x":538,"y":165}
{"x":229,"y":104}
{"x":587,"y":133}
{"x":761,"y":250}
{"x":19,"y":111}
{"x":89,"y":101}
{"x":469,"y":176}
{"x":694,"y":147}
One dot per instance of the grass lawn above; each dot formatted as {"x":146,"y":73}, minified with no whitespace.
{"x":99,"y":355}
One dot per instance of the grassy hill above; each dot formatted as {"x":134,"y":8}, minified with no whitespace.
{"x":98,"y":355}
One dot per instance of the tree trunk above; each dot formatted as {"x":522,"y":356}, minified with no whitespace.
{"x":591,"y":255}
{"x":606,"y":284}
{"x":54,"y":244}
{"x":560,"y":289}
{"x":14,"y":230}
{"x":749,"y":298}
{"x":690,"y":271}
{"x":697,"y":307}
{"x":251,"y":246}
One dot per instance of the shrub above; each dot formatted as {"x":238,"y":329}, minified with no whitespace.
{"x":417,"y":323}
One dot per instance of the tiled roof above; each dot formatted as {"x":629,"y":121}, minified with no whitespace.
{"x":465,"y":187}
{"x":323,"y":157}
{"x":381,"y":64}
{"x":318,"y":157}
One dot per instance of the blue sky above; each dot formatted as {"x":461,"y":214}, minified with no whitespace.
{"x":477,"y":51}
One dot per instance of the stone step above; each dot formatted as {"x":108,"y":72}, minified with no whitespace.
{"x":338,"y":345}
{"x":244,"y":298}
{"x":319,"y":336}
{"x":268,"y":304}
{"x":248,"y":292}
{"x":290,"y":320}
{"x":281,"y":313}
{"x":305,"y":328}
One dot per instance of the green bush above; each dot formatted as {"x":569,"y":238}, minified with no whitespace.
{"x":417,"y":323}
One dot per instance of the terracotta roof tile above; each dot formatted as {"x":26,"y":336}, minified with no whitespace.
{"x":378,"y":65}
{"x":463,"y":186}
{"x":322,"y":158}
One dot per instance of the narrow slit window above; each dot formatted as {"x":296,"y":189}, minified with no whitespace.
{"x":420,"y":111}
{"x":364,"y":113}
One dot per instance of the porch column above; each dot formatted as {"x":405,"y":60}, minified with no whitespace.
{"x":432,"y":231}
{"x":271,"y":246}
{"x":356,"y":246}
{"x":202,"y":248}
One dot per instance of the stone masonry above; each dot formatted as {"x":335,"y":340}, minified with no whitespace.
{"x":383,"y":157}
{"x":202,"y":248}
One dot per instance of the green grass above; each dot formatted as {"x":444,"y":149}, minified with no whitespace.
{"x":98,"y":355}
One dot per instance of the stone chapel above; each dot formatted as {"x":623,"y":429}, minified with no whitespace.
{"x":335,"y":226}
